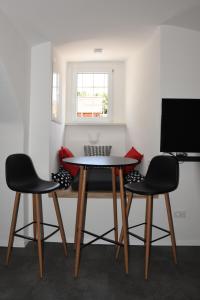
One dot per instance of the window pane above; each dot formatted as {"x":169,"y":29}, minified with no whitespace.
{"x":54,"y":94}
{"x":106,"y":80}
{"x":87,"y":92}
{"x":100,"y":91}
{"x":99,"y":80}
{"x":92,"y":95}
{"x":79,"y":80}
{"x":55,"y":76}
{"x":88,"y":80}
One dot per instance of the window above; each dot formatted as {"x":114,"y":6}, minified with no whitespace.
{"x":90,"y":92}
{"x":55,"y":96}
{"x":92,"y":95}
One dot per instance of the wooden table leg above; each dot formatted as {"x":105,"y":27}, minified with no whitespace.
{"x":84,"y":218}
{"x":115,"y":204}
{"x":128,"y":207}
{"x":124,"y":218}
{"x":148,"y":234}
{"x":80,"y":222}
{"x":60,"y":222}
{"x":78,"y":205}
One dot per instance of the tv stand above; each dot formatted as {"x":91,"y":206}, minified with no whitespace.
{"x":188,"y":158}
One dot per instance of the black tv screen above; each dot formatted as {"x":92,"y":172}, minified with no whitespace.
{"x":180,"y":125}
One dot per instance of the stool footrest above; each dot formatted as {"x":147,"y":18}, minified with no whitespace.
{"x":142,"y":238}
{"x":34,"y":239}
{"x":137,"y":236}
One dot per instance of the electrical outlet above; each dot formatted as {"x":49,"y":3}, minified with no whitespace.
{"x":180,"y":214}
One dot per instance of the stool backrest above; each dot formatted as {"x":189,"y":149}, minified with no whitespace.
{"x":19,"y":169}
{"x":163,"y":170}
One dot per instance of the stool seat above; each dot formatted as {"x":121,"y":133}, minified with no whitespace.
{"x":36,"y":186}
{"x":145,"y":188}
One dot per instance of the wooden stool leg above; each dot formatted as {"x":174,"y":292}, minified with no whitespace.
{"x":34,"y":217}
{"x":115,"y":204}
{"x":60,"y":223}
{"x":171,"y":226}
{"x":145,"y":226}
{"x":80,"y":222}
{"x":84,"y":218}
{"x":124,"y":219}
{"x":78,"y":205}
{"x":39,"y":233}
{"x":12,"y":227}
{"x":148,"y":234}
{"x":128,"y":207}
{"x":146,"y":221}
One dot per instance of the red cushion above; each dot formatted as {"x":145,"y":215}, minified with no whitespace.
{"x":132,"y":153}
{"x":64,"y":153}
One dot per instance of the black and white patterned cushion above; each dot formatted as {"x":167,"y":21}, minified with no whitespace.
{"x":63,"y":177}
{"x":97,"y":150}
{"x":134,"y":176}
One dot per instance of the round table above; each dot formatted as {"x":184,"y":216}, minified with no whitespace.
{"x":113,"y":162}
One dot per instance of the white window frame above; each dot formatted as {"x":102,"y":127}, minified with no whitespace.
{"x":87,"y":67}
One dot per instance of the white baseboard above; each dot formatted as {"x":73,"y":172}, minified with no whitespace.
{"x":21,"y":243}
{"x":164,"y":242}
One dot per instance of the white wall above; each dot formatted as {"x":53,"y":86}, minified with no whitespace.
{"x":143,"y":99}
{"x":180,"y":76}
{"x":56,"y":141}
{"x":180,"y":64}
{"x":143,"y":116}
{"x":40,"y":107}
{"x":58,"y":127}
{"x":76,"y":136}
{"x":40,"y":118}
{"x":14,"y":104}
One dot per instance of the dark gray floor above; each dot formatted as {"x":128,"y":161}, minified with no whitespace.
{"x":101,"y":277}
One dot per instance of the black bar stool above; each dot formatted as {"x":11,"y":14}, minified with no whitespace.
{"x":162,"y":177}
{"x":21,"y":177}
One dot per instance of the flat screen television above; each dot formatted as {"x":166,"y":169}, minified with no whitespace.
{"x":180,"y":126}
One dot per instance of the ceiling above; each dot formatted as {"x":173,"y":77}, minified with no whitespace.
{"x":74,"y":21}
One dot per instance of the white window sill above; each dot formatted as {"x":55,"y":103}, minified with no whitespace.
{"x":94,"y":124}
